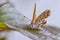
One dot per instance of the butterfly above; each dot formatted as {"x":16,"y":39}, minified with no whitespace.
{"x":40,"y":20}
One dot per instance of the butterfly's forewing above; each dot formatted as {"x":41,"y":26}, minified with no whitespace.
{"x":43,"y":15}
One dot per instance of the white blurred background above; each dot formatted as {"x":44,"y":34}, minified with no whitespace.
{"x":26,"y":7}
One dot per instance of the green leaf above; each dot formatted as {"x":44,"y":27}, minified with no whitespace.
{"x":2,"y":25}
{"x":2,"y":38}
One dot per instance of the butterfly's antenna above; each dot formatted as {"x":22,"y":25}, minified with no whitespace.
{"x":34,"y":14}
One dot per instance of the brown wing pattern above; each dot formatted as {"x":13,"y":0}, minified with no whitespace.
{"x":43,"y":15}
{"x":40,"y":20}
